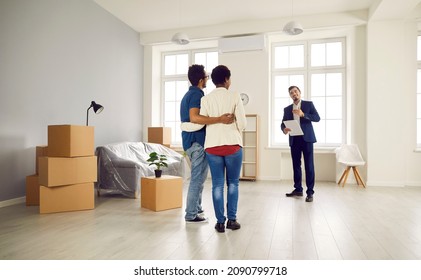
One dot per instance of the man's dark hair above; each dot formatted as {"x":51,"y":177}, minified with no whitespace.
{"x":196,"y":72}
{"x":219,"y":74}
{"x":291,"y":87}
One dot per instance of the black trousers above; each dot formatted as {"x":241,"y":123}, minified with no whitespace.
{"x":300,"y":147}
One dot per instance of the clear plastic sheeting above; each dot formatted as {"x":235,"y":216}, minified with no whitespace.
{"x":121,"y":165}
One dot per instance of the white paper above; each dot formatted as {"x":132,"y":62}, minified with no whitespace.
{"x":295,"y":128}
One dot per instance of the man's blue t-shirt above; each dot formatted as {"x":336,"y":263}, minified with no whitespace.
{"x":191,"y":100}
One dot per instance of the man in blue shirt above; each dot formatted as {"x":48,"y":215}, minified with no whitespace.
{"x":193,"y":142}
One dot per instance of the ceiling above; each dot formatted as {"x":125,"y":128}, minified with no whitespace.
{"x":158,"y":15}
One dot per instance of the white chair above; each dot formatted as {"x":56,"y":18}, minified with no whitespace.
{"x":350,"y":156}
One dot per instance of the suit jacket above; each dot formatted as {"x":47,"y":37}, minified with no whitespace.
{"x":310,"y":115}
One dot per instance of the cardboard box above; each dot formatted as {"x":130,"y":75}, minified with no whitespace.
{"x":67,"y":198}
{"x":70,"y":141}
{"x":163,"y":193}
{"x":160,"y":135}
{"x":32,"y":190}
{"x":59,"y":171}
{"x":40,"y":151}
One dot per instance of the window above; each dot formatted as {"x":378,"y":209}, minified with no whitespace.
{"x":419,"y":91}
{"x":318,"y":69}
{"x":176,"y":84}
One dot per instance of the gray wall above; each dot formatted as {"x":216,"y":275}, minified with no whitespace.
{"x":56,"y":56}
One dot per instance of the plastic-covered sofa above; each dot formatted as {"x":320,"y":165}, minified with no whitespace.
{"x":121,"y":165}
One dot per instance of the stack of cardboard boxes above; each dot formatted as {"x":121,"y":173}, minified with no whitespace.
{"x":68,"y":172}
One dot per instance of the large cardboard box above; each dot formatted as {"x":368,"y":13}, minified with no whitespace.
{"x":160,"y":135}
{"x":40,"y":151}
{"x":70,"y":141}
{"x":163,"y":193}
{"x":32,"y":190}
{"x":59,"y":171}
{"x":67,"y":198}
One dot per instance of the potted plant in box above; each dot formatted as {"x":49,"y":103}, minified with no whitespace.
{"x":159,"y":161}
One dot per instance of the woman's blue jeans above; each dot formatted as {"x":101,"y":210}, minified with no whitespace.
{"x":218,"y":165}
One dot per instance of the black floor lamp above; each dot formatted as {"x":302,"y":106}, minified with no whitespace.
{"x":97,"y":109}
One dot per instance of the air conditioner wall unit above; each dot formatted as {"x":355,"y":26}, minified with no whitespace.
{"x":242,"y":43}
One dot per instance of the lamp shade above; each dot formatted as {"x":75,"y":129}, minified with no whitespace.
{"x":97,"y":108}
{"x":293,"y":28}
{"x":180,"y":38}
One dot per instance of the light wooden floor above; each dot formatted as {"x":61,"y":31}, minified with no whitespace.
{"x":342,"y":223}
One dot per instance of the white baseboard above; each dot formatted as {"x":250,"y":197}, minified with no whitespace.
{"x":385,"y":184}
{"x":12,"y":201}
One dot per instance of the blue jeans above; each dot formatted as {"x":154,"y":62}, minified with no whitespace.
{"x":199,"y":173}
{"x":232,"y":165}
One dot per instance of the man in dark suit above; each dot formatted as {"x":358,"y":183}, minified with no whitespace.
{"x":305,"y":113}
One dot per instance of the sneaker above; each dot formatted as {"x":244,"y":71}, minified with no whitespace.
{"x":198,"y":219}
{"x":233,"y":224}
{"x":220,"y":227}
{"x":201,"y":213}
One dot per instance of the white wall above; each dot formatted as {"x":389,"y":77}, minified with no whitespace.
{"x":391,"y":101}
{"x":56,"y":56}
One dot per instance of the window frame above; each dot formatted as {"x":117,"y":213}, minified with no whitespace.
{"x":307,"y":70}
{"x":178,"y":77}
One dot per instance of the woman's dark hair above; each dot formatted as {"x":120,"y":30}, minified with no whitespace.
{"x":219,"y":74}
{"x":195,"y":73}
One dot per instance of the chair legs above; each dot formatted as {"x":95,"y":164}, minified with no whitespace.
{"x":357,"y":175}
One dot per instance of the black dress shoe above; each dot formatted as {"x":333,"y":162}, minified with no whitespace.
{"x":309,"y":198}
{"x":294,"y":193}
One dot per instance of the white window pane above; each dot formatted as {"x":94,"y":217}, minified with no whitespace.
{"x":318,"y":85}
{"x":281,"y":86}
{"x":182,"y":88}
{"x":419,"y":132}
{"x":318,"y":55}
{"x":169,"y":65}
{"x":333,"y":84}
{"x":281,"y":57}
{"x":177,"y":111}
{"x":177,"y":133}
{"x":334,"y":131}
{"x":278,"y":135}
{"x":212,"y":61}
{"x":170,"y":91}
{"x":170,"y":112}
{"x":334,"y":54}
{"x":333,"y":108}
{"x":320,"y":104}
{"x":320,"y":131}
{"x":419,"y":48}
{"x":182,"y":63}
{"x":296,"y":56}
{"x":280,"y":104}
{"x":200,"y":58}
{"x":419,"y":106}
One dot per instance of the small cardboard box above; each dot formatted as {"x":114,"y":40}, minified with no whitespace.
{"x":40,"y":151}
{"x":159,"y":135}
{"x":32,"y":190}
{"x":67,"y":198}
{"x":70,"y":141}
{"x":59,"y":171}
{"x":163,"y":193}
